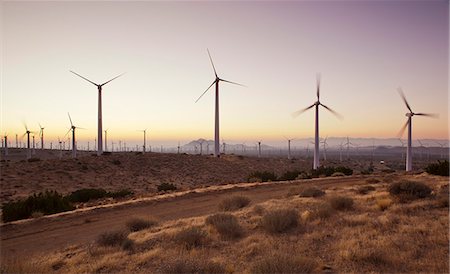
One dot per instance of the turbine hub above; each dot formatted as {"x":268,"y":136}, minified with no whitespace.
{"x":409,"y":114}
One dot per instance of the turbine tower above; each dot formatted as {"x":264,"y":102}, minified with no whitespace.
{"x":41,"y":133}
{"x":6,"y":145}
{"x":316,"y":163}
{"x":74,"y":144}
{"x":289,"y":147}
{"x":408,"y":124}
{"x":216,"y":130}
{"x":106,"y":140}
{"x":99,"y":87}
{"x":145,"y":132}
{"x":27,"y":132}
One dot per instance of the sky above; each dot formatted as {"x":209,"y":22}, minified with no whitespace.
{"x":364,"y":51}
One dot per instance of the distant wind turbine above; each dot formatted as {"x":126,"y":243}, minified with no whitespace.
{"x":325,"y":144}
{"x":408,"y":124}
{"x":216,"y":130}
{"x":99,"y":87}
{"x":289,"y":146}
{"x":144,"y":131}
{"x":259,"y":149}
{"x":6,"y":145}
{"x":106,"y":140}
{"x":41,"y":134}
{"x":316,"y":163}
{"x":27,"y":132}
{"x":74,"y":144}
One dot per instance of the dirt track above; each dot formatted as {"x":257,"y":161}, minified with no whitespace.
{"x":48,"y":234}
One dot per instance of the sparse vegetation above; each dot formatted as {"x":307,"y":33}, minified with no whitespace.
{"x":166,"y":187}
{"x":406,"y":191}
{"x":341,"y":203}
{"x":279,"y":221}
{"x":290,"y":175}
{"x":363,"y":190}
{"x":112,"y":238}
{"x":312,"y":192}
{"x":329,"y":171}
{"x":120,"y":193}
{"x":48,"y":202}
{"x":262,"y":176}
{"x":137,"y":224}
{"x":234,"y":203}
{"x":86,"y":194}
{"x":190,"y":237}
{"x":226,"y":224}
{"x":284,"y":263}
{"x":440,"y":168}
{"x":191,"y":264}
{"x":383,"y":203}
{"x":322,"y":211}
{"x":372,"y":181}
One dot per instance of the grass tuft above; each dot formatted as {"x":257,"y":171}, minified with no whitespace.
{"x":234,"y":203}
{"x":190,"y":237}
{"x":137,"y":224}
{"x":279,"y":221}
{"x":284,"y":263}
{"x":226,"y":224}
{"x":341,"y":203}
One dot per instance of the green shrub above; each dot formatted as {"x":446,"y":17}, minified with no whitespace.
{"x":329,"y":171}
{"x":279,"y":221}
{"x":86,"y":194}
{"x":226,"y":224}
{"x":48,"y":202}
{"x":112,"y":238}
{"x":312,"y":192}
{"x":347,"y":171}
{"x":166,"y":187}
{"x":439,"y":168}
{"x":409,"y":190}
{"x":233,"y":203}
{"x":289,"y":175}
{"x":341,"y":203}
{"x":284,"y":263}
{"x":263,"y":176}
{"x":137,"y":224}
{"x":190,"y":237}
{"x":120,"y":193}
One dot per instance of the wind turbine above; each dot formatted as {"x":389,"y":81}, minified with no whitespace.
{"x":408,"y":124}
{"x":289,"y":147}
{"x":259,"y":149}
{"x":143,"y":147}
{"x":5,"y":148}
{"x":178,"y":148}
{"x":224,"y":145}
{"x":74,"y":144}
{"x":27,"y":132}
{"x":403,"y":145}
{"x":41,"y":133}
{"x":325,"y":144}
{"x":442,"y":148}
{"x":60,"y":148}
{"x":216,"y":130}
{"x":99,"y":88}
{"x":316,"y":163}
{"x":106,"y":140}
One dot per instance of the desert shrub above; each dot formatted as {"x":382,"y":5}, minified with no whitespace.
{"x":284,"y":263}
{"x":409,"y":190}
{"x":112,"y":238}
{"x":263,"y":176}
{"x":190,"y":237}
{"x":347,"y":171}
{"x":341,"y":203}
{"x":166,"y":187}
{"x":48,"y":202}
{"x":383,"y":203}
{"x":439,"y":168}
{"x":338,"y":174}
{"x":116,"y":162}
{"x":120,"y":193}
{"x":86,"y":194}
{"x":365,"y":189}
{"x":137,"y":224}
{"x":372,"y":181}
{"x":36,"y":214}
{"x":322,"y":211}
{"x":289,"y":175}
{"x":226,"y":224}
{"x":312,"y":192}
{"x":128,"y":245}
{"x":279,"y":221}
{"x":322,"y":170}
{"x":233,"y":203}
{"x":190,"y":264}
{"x":303,"y":175}
{"x":34,"y":160}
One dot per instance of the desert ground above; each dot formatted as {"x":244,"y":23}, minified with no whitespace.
{"x":194,"y":230}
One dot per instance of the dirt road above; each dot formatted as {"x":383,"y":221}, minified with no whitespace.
{"x":48,"y":234}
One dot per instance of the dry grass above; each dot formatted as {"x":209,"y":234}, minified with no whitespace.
{"x":226,"y":225}
{"x":383,"y":203}
{"x":312,"y":192}
{"x":234,"y":203}
{"x":341,"y":203}
{"x":137,"y":224}
{"x":403,"y":238}
{"x":112,"y":238}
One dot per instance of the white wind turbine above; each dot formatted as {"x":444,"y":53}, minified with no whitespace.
{"x":408,"y":124}
{"x":27,"y":132}
{"x":325,"y":144}
{"x":289,"y":146}
{"x":99,"y":87}
{"x":216,"y":130}
{"x":316,"y":163}
{"x":145,"y":138}
{"x":74,"y":144}
{"x":106,"y":140}
{"x":259,"y":149}
{"x":41,"y":134}
{"x":5,"y":148}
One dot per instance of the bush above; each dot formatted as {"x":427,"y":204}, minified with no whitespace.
{"x":166,"y":187}
{"x":290,"y":175}
{"x":384,"y":203}
{"x":34,"y":160}
{"x":112,"y":238}
{"x":409,"y":190}
{"x":137,"y":224}
{"x":190,"y":237}
{"x":120,"y":193}
{"x":338,"y":174}
{"x":116,"y":162}
{"x":341,"y":203}
{"x":234,"y":203}
{"x":347,"y":171}
{"x":263,"y":176}
{"x":322,"y":211}
{"x":439,"y":168}
{"x":312,"y":192}
{"x":365,"y":189}
{"x":86,"y":194}
{"x":48,"y":202}
{"x":226,"y":224}
{"x":190,"y":264}
{"x":279,"y":221}
{"x":284,"y":263}
{"x":329,"y":171}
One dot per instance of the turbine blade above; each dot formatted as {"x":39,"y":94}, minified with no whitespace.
{"x":318,"y":85}
{"x":339,"y":116}
{"x":67,"y":133}
{"x":402,"y":130}
{"x":214,"y":68}
{"x":432,"y":115}
{"x":297,"y":113}
{"x":70,"y":119}
{"x":232,"y":82}
{"x":83,"y":77}
{"x":80,"y":128}
{"x":206,"y":91}
{"x":400,"y":91}
{"x":112,"y":79}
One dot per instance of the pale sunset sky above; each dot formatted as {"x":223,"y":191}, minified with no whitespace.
{"x":364,"y":51}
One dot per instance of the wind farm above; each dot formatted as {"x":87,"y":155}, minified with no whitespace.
{"x":157,"y":177}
